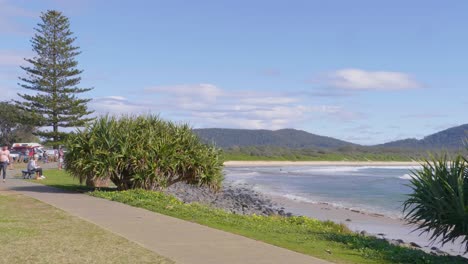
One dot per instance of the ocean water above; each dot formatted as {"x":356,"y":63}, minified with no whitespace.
{"x":373,"y":189}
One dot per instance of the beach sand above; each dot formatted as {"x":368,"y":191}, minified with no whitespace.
{"x":319,"y":163}
{"x":374,"y":224}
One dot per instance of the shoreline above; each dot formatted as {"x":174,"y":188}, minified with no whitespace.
{"x":395,"y":230}
{"x":392,"y":228}
{"x":318,"y":163}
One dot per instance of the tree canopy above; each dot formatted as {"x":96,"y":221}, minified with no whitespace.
{"x":12,"y":128}
{"x":54,"y":75}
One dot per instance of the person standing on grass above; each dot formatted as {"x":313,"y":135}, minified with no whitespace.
{"x":33,"y":167}
{"x":4,"y":160}
{"x":60,"y":157}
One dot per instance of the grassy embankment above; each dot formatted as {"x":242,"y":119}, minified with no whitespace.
{"x":35,"y":232}
{"x":325,"y":240}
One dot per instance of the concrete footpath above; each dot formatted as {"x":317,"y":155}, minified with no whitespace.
{"x":179,"y":240}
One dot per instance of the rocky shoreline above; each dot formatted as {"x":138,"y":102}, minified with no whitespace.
{"x":241,"y":199}
{"x":237,"y":199}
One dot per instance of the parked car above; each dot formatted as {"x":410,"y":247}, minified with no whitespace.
{"x":15,"y":155}
{"x":19,"y":156}
{"x":50,"y":152}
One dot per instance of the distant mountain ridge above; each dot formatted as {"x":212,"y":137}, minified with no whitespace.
{"x":286,"y":138}
{"x":451,"y":138}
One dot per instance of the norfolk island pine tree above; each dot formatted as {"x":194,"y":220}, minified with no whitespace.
{"x":54,"y":75}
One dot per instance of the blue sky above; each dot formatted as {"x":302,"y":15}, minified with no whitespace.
{"x":363,"y":71}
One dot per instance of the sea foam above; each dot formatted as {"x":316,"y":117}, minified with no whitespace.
{"x":335,"y":169}
{"x":406,"y":177}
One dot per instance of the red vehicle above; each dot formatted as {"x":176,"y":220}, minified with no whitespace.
{"x":27,"y":149}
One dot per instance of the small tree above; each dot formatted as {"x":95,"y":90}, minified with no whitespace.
{"x":11,"y":127}
{"x":142,"y":152}
{"x":439,"y":202}
{"x":53,"y":74}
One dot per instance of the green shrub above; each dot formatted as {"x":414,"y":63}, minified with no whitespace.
{"x":439,"y":202}
{"x":142,"y":152}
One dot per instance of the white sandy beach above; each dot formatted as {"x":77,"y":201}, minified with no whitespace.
{"x":319,"y":163}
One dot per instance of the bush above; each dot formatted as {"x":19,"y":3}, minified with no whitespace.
{"x":142,"y":152}
{"x":439,"y":202}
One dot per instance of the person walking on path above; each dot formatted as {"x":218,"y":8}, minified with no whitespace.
{"x":11,"y":161}
{"x":4,"y":160}
{"x":60,"y":157}
{"x":45,"y":156}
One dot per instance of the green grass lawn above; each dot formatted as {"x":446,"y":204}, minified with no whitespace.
{"x":60,"y":179}
{"x":301,"y":234}
{"x":35,"y":232}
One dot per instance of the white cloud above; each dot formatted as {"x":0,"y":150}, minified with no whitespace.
{"x":356,"y":79}
{"x":203,"y":91}
{"x":425,"y":115}
{"x":12,"y":58}
{"x":9,"y":14}
{"x":7,"y":92}
{"x":117,"y":105}
{"x":206,"y":105}
{"x":9,"y":9}
{"x":269,"y":100}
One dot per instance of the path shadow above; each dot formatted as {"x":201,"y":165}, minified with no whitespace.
{"x":56,"y":188}
{"x":42,"y":189}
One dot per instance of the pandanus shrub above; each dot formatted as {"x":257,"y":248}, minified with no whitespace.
{"x":142,"y":152}
{"x":439,"y":201}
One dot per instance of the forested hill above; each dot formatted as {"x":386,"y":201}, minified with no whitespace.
{"x":285,"y":138}
{"x":451,"y":138}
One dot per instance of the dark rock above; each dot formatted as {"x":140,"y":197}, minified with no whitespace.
{"x":414,"y":245}
{"x":232,"y":198}
{"x":348,"y":220}
{"x":363,"y":233}
{"x":438,"y":252}
{"x":268,"y":211}
{"x":395,"y":242}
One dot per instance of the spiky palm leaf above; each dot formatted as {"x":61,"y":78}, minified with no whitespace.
{"x":439,"y":202}
{"x":142,"y":152}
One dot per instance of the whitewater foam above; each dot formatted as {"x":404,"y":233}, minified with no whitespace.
{"x":245,"y":174}
{"x":336,"y":169}
{"x":297,"y":198}
{"x":406,"y":177}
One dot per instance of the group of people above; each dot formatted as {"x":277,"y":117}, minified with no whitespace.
{"x":32,"y":167}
